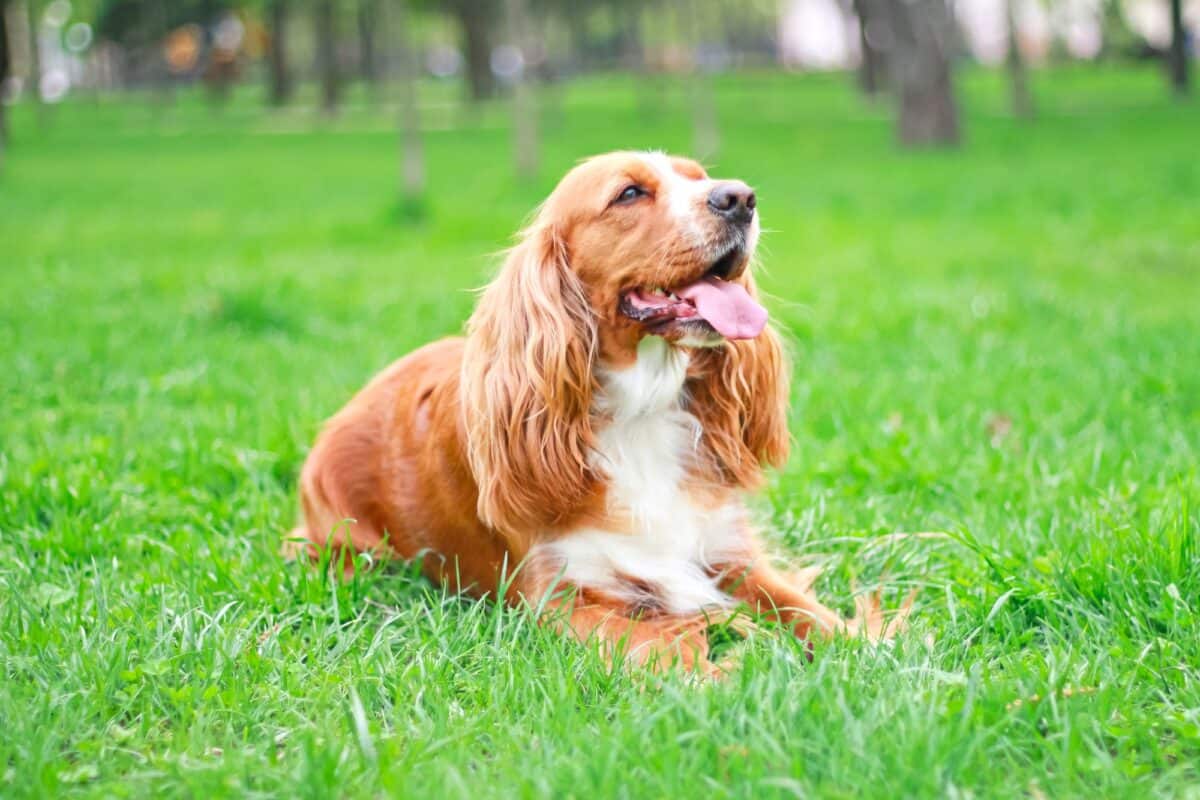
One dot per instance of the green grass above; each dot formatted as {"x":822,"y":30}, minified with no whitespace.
{"x":1000,"y":343}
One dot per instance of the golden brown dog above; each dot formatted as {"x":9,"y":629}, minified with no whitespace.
{"x":617,"y":395}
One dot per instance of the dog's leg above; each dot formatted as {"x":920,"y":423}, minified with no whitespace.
{"x":330,"y":521}
{"x":656,"y":642}
{"x":308,"y":541}
{"x":792,"y":602}
{"x":774,"y":596}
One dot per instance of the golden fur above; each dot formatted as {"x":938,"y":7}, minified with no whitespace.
{"x":472,"y":452}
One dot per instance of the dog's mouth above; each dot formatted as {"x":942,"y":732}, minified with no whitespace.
{"x":713,"y":302}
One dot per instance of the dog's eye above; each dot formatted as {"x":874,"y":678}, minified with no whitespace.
{"x":629,"y":194}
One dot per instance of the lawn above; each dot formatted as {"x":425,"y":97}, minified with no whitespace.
{"x":999,"y":345}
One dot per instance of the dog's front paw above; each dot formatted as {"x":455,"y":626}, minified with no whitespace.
{"x":873,"y":623}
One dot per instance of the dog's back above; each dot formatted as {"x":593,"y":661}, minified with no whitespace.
{"x":389,"y":472}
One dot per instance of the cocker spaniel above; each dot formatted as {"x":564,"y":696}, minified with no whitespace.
{"x":616,"y":396}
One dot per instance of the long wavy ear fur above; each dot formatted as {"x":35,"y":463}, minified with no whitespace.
{"x":527,"y":387}
{"x":740,"y":395}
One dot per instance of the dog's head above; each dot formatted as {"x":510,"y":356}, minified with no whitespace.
{"x":659,"y":248}
{"x":628,"y":245}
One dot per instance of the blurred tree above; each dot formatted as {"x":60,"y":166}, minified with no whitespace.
{"x":153,"y":33}
{"x":34,"y":26}
{"x":706,"y":137}
{"x":477,"y":20}
{"x":1177,"y":55}
{"x":575,"y":15}
{"x":1018,"y":77}
{"x":136,"y":23}
{"x":5,"y":72}
{"x":325,"y":22}
{"x":158,"y":45}
{"x":525,"y":111}
{"x":278,"y":70}
{"x":368,"y":59}
{"x":1118,"y":39}
{"x":872,"y":38}
{"x":412,"y":150}
{"x":923,"y":34}
{"x":34,"y":82}
{"x":650,"y":84}
{"x":629,"y":38}
{"x":222,"y":67}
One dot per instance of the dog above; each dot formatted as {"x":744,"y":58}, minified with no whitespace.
{"x":588,"y":446}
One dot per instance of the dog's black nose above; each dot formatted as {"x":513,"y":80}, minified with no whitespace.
{"x":734,"y":201}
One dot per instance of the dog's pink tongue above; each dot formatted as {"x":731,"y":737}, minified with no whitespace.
{"x":727,"y":306}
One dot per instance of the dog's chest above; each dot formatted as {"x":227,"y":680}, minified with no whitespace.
{"x":663,"y":541}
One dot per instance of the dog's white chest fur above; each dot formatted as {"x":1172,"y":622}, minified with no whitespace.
{"x":645,"y":451}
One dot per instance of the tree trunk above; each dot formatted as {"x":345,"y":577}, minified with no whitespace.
{"x":327,"y":66}
{"x":922,"y":73}
{"x":628,"y":21}
{"x":281,"y":79}
{"x":872,"y":31}
{"x":1018,"y":76}
{"x":649,"y":83}
{"x":412,"y":150}
{"x":729,"y":21}
{"x":576,"y":12}
{"x":158,"y":27}
{"x":5,"y":71}
{"x":525,"y":110}
{"x":368,"y":62}
{"x":1177,"y":57}
{"x":34,"y":10}
{"x":475,"y":17}
{"x":706,"y":137}
{"x":35,"y":48}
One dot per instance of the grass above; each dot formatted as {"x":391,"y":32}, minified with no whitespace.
{"x":1000,"y":344}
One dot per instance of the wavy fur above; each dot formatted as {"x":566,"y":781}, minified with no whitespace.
{"x":527,"y":385}
{"x":550,"y":437}
{"x":739,"y":392}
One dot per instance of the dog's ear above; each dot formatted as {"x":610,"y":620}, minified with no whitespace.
{"x":527,"y":386}
{"x":739,"y":393}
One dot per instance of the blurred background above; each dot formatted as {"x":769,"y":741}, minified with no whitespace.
{"x":435,"y":63}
